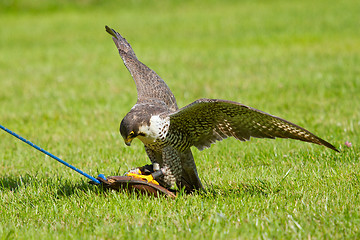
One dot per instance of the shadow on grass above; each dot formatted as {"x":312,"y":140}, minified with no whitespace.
{"x":68,"y":188}
{"x":13,"y":183}
{"x":258,"y":188}
{"x":58,"y":187}
{"x":61,"y":186}
{"x":65,"y":188}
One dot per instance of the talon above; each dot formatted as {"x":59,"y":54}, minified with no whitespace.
{"x":148,"y":178}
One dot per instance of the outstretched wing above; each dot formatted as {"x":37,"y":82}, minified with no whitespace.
{"x":206,"y":121}
{"x":148,"y":84}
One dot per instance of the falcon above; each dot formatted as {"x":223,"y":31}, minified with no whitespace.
{"x":168,"y":133}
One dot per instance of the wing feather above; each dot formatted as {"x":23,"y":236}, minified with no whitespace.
{"x":206,"y":121}
{"x":148,"y":84}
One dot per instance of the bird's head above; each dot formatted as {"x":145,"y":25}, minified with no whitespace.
{"x":142,"y":121}
{"x":129,"y":128}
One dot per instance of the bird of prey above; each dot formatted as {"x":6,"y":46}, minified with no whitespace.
{"x":168,"y":132}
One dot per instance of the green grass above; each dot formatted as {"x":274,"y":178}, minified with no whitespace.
{"x":64,"y":87}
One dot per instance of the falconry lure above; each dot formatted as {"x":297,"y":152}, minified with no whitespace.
{"x":168,"y":132}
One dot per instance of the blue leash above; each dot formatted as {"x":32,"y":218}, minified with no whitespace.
{"x":53,"y":156}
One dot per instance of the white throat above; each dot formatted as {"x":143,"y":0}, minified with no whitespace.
{"x":157,"y":130}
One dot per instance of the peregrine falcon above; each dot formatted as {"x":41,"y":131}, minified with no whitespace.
{"x":168,"y":132}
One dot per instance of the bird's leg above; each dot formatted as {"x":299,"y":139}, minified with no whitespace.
{"x":167,"y":178}
{"x":167,"y":175}
{"x":171,"y":168}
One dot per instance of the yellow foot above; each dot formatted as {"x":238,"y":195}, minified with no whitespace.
{"x":148,"y":178}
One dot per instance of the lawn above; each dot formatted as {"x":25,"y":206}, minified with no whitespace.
{"x":64,"y":87}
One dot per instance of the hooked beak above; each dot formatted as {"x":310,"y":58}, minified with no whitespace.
{"x":128,"y":141}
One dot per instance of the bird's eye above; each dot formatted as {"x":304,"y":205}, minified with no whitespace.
{"x":131,"y":133}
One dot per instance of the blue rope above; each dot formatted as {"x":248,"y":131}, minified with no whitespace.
{"x":51,"y":155}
